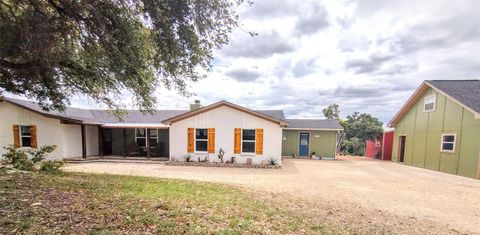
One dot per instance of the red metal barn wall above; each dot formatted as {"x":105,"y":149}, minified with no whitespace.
{"x":387,"y":145}
{"x":374,"y":148}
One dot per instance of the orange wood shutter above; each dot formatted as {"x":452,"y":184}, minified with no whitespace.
{"x":259,"y":140}
{"x":16,"y":136}
{"x":237,"y":140}
{"x":33,"y":134}
{"x":191,"y":144}
{"x":211,"y":140}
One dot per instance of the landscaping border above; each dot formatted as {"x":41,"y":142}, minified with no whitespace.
{"x":218,"y":164}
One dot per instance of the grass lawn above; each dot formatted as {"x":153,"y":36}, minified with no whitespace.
{"x":106,"y":204}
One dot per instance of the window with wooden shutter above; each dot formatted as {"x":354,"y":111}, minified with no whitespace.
{"x":259,"y":139}
{"x":211,"y":140}
{"x":190,"y":137}
{"x":16,"y":136}
{"x":33,"y":136}
{"x":237,"y":140}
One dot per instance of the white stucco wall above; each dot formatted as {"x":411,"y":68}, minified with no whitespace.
{"x":49,"y":132}
{"x":225,"y":119}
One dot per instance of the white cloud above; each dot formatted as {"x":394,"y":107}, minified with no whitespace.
{"x":367,"y":56}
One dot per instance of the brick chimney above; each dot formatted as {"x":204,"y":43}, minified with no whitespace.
{"x":195,"y":105}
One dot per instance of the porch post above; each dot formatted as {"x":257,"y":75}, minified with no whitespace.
{"x":148,"y":142}
{"x":100,"y":141}
{"x":124,"y":141}
{"x":84,"y":144}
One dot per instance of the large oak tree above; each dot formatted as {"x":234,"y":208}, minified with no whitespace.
{"x":53,"y":49}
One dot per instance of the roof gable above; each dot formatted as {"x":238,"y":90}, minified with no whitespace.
{"x":271,"y":115}
{"x":465,"y":93}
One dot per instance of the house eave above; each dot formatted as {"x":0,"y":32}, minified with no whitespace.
{"x":312,"y":129}
{"x":207,"y":108}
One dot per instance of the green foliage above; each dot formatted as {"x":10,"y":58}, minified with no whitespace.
{"x":51,"y":167}
{"x":353,"y":146}
{"x":50,"y":50}
{"x":25,"y":159}
{"x":39,"y":155}
{"x":332,"y":112}
{"x":363,"y":126}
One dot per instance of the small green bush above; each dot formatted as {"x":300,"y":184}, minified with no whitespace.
{"x":51,"y":167}
{"x":25,"y":159}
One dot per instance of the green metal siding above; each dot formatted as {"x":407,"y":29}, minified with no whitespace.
{"x":423,"y":132}
{"x":321,"y":142}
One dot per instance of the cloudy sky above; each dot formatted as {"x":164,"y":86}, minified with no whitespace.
{"x":366,"y":56}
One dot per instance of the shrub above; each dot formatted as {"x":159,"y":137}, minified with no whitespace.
{"x":272,"y":161}
{"x":39,"y":155}
{"x":25,"y":159}
{"x":187,"y":157}
{"x":51,"y":167}
{"x":353,"y":146}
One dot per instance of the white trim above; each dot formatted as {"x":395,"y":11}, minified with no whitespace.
{"x":434,"y":102}
{"x":454,"y":142}
{"x":312,"y":129}
{"x":254,"y":143}
{"x":456,"y":101}
{"x":145,"y":137}
{"x":298,"y":143}
{"x":398,"y":148}
{"x":21,"y":136}
{"x":135,"y":125}
{"x":195,"y":140}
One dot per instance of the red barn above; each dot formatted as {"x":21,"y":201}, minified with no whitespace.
{"x":381,"y":148}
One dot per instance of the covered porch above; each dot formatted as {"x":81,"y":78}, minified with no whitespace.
{"x":132,"y":140}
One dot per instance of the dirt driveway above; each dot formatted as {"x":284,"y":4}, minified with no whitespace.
{"x":403,"y":191}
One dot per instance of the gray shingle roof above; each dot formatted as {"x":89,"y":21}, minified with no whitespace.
{"x":103,"y":116}
{"x":466,"y":92}
{"x":278,"y":114}
{"x":313,"y":124}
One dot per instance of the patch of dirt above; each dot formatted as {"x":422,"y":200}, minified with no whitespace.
{"x":357,"y":192}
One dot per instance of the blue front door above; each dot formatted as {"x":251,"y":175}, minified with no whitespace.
{"x":303,"y":148}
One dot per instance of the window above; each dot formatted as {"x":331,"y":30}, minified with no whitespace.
{"x":153,"y":137}
{"x":141,"y":137}
{"x":25,"y":136}
{"x":201,"y":140}
{"x":248,"y":141}
{"x":448,"y":143}
{"x":429,"y":103}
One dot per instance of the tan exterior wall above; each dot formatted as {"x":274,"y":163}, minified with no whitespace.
{"x":225,"y":119}
{"x":49,"y":132}
{"x":423,"y":132}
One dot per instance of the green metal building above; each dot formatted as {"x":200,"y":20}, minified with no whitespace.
{"x":304,"y":137}
{"x":439,"y":128}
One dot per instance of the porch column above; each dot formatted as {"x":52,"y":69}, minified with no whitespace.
{"x":84,"y":142}
{"x":148,"y":142}
{"x":100,"y":141}
{"x":124,"y":141}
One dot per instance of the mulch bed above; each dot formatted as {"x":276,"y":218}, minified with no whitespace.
{"x":218,"y":164}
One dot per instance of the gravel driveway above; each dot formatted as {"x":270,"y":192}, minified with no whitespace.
{"x":409,"y":192}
